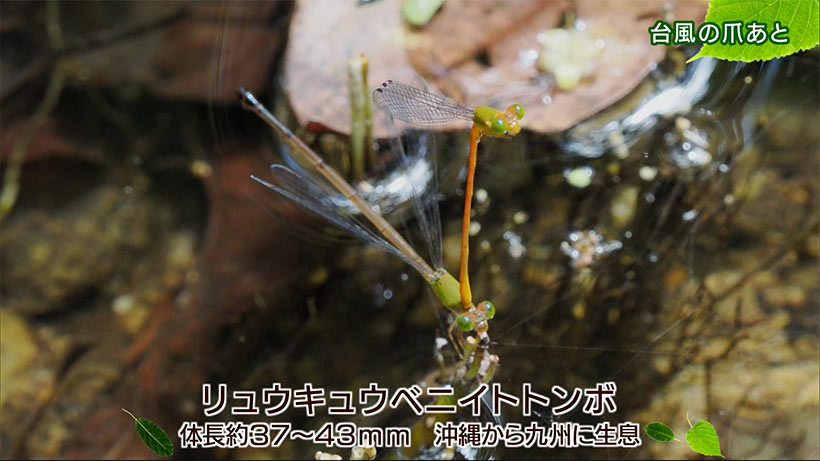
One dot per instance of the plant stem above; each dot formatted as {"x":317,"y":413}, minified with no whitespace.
{"x":361,"y":133}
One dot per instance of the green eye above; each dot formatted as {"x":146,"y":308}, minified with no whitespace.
{"x":488,"y":308}
{"x":519,"y":111}
{"x":499,"y":127}
{"x":464,"y":323}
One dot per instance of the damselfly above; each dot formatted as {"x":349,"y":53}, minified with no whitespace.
{"x":310,"y":195}
{"x":425,"y":109}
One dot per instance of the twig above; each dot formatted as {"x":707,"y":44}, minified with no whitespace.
{"x":11,"y":178}
{"x":103,"y":38}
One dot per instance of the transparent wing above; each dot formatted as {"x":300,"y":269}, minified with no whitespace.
{"x":296,"y":188}
{"x":419,"y":154}
{"x":418,"y":107}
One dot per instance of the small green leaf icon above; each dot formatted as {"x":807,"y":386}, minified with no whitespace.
{"x":703,"y":439}
{"x":155,"y":438}
{"x":798,"y":18}
{"x":659,"y":432}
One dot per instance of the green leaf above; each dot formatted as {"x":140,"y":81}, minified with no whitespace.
{"x":155,"y":438}
{"x":703,"y":439}
{"x":799,"y":16}
{"x":420,"y":12}
{"x":659,"y":432}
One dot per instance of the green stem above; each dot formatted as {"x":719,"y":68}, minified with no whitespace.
{"x":361,"y":133}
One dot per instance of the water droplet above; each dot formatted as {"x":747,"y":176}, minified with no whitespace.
{"x":388,"y":293}
{"x":690,"y":215}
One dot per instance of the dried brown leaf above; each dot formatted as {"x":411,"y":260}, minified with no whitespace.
{"x":324,"y":35}
{"x":511,"y":54}
{"x":476,"y":51}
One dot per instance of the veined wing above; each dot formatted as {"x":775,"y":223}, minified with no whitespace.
{"x":418,"y":107}
{"x":296,"y":188}
{"x":420,"y":154}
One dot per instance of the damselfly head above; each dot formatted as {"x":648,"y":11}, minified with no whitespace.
{"x":476,"y":318}
{"x":505,"y":124}
{"x":511,"y":117}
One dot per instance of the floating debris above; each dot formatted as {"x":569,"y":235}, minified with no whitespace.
{"x":517,"y":249}
{"x":622,"y":208}
{"x":690,"y":215}
{"x":580,"y":177}
{"x":569,"y":55}
{"x":481,"y":195}
{"x":647,"y":173}
{"x":688,"y":146}
{"x":521,"y":217}
{"x":586,"y":247}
